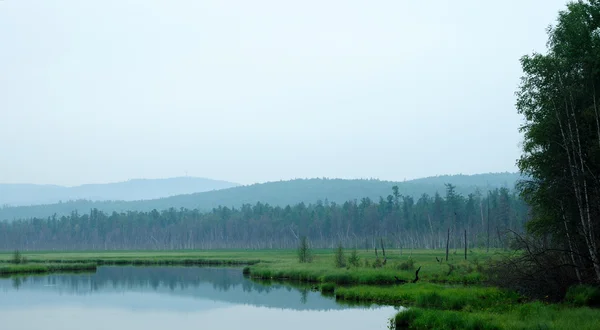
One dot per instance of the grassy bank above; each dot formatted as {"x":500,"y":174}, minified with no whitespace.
{"x":534,"y":315}
{"x":140,"y":258}
{"x":48,"y":262}
{"x":368,"y":269}
{"x":428,"y":295}
{"x":448,"y":295}
{"x":9,"y":269}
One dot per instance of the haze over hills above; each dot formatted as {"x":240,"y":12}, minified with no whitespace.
{"x":132,"y":190}
{"x":279,"y":193}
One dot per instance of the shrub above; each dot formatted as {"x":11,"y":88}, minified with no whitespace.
{"x":583,"y":295}
{"x":377,"y":263}
{"x":328,"y":288}
{"x":304,"y":252}
{"x":340,"y":260}
{"x":354,"y":259}
{"x":407,"y":265}
{"x":18,"y":258}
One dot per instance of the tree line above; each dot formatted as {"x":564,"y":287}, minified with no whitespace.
{"x":401,"y":221}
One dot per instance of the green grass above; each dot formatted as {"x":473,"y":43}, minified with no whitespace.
{"x":429,"y":295}
{"x":233,"y":258}
{"x":322,"y":270}
{"x":535,"y":315}
{"x":9,"y":269}
{"x":49,"y":262}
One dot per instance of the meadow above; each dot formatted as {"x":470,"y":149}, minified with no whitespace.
{"x":447,"y":295}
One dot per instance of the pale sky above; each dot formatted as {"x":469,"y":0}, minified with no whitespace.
{"x":255,"y":91}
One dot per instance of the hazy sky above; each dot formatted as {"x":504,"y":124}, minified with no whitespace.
{"x":253,"y":91}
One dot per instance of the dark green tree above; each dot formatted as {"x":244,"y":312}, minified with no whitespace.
{"x":304,"y":251}
{"x":558,"y":97}
{"x":339,"y":258}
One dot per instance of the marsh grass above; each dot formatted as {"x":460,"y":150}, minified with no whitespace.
{"x":534,"y":315}
{"x":6,"y":270}
{"x":366,"y":268}
{"x":47,"y":262}
{"x":429,"y":295}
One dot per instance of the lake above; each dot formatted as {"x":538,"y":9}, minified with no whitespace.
{"x":173,"y":298}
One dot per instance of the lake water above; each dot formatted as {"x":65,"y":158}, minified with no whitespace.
{"x":152,"y":298}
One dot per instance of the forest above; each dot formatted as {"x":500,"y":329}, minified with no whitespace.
{"x":279,"y":193}
{"x":398,"y":220}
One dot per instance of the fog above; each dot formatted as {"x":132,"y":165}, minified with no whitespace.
{"x":254,"y":91}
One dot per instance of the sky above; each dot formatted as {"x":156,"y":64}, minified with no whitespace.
{"x":264,"y":90}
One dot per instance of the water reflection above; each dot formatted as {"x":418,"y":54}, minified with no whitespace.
{"x":175,"y":297}
{"x":216,"y":284}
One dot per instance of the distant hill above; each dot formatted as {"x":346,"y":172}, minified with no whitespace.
{"x":132,"y":190}
{"x":277,"y":193}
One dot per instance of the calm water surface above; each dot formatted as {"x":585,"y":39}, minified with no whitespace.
{"x":173,"y":298}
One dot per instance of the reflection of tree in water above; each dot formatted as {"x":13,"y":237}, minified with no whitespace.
{"x":18,"y":281}
{"x":303,"y":295}
{"x":218,"y":284}
{"x":132,"y":277}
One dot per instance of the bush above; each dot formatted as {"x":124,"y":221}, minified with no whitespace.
{"x":583,"y":295}
{"x":340,"y":260}
{"x":18,"y":258}
{"x":328,"y":288}
{"x":377,"y":263}
{"x":354,"y":259}
{"x":407,"y":265}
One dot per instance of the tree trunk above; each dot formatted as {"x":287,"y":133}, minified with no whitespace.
{"x":447,"y":243}
{"x":465,"y":244}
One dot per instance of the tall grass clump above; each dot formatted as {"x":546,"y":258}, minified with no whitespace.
{"x":415,"y":318}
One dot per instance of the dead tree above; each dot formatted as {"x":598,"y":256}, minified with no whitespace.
{"x":465,"y":244}
{"x":400,"y":281}
{"x":447,"y":242}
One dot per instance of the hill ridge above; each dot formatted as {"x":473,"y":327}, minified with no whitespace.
{"x":279,"y":193}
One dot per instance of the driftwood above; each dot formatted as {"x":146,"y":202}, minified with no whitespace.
{"x":400,"y":281}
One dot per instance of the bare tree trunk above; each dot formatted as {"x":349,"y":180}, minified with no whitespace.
{"x":465,"y":244}
{"x":447,"y":243}
{"x":488,"y":223}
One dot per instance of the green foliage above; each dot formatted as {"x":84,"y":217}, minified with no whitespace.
{"x":558,"y":98}
{"x":339,"y":258}
{"x":328,"y":288}
{"x":377,"y":263}
{"x":354,"y":259}
{"x":304,"y":252}
{"x":17,"y":258}
{"x":583,"y":295}
{"x":406,"y":265}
